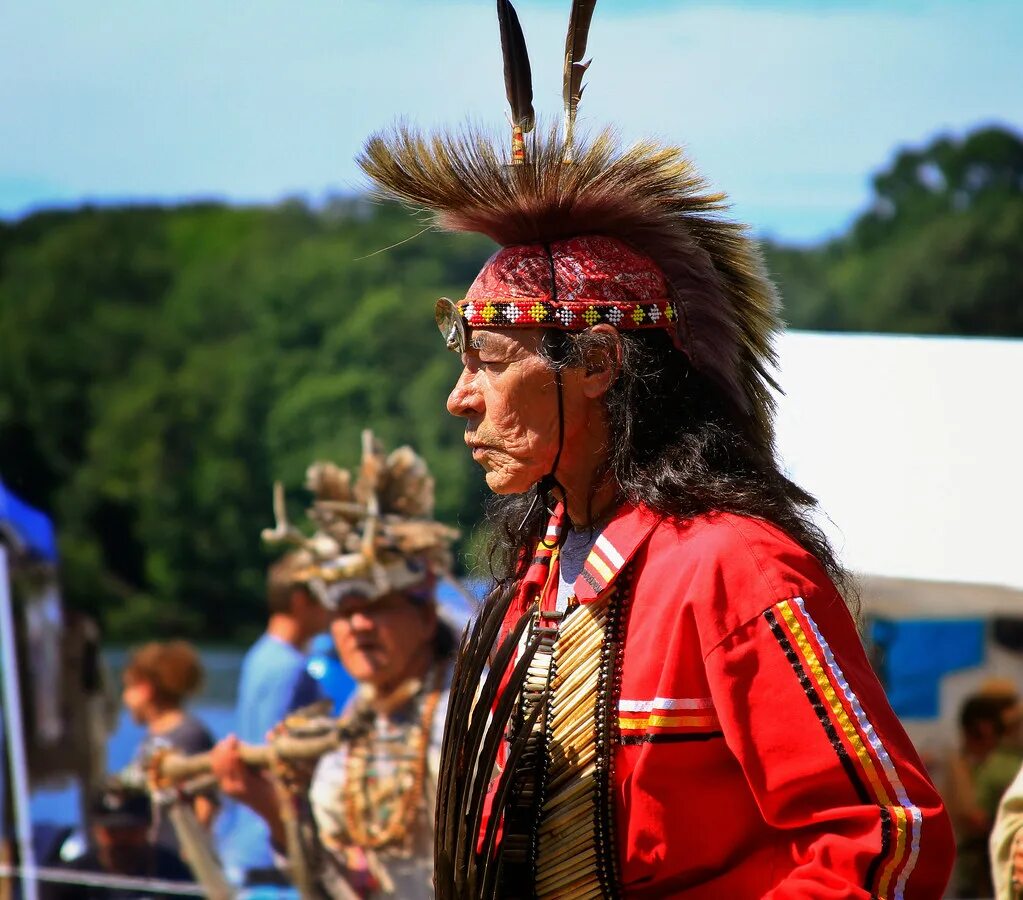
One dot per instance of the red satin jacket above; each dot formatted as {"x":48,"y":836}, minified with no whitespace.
{"x":758,"y":756}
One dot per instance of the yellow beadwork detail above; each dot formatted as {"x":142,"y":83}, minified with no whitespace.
{"x":900,"y":849}
{"x":489,"y":311}
{"x":813,"y":663}
{"x":591,"y":316}
{"x":638,"y":314}
{"x":707,"y":721}
{"x":600,"y":566}
{"x":538,"y":312}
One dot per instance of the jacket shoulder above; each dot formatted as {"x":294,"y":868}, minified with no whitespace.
{"x":725,"y":569}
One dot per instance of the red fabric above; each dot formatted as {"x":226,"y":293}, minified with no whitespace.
{"x":590,"y":268}
{"x":765,"y":761}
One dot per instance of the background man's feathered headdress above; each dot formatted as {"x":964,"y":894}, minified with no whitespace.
{"x":374,"y":534}
{"x":591,"y":231}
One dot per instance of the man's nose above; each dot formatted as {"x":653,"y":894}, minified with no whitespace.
{"x":361,"y":620}
{"x":464,"y":398}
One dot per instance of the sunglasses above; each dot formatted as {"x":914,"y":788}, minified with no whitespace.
{"x":451,"y":324}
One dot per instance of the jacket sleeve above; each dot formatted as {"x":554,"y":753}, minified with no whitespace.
{"x":826,"y":758}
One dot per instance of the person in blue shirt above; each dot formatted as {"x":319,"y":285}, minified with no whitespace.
{"x":274,"y":682}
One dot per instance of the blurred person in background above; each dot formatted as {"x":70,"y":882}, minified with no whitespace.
{"x":274,"y":681}
{"x":377,"y":557}
{"x":985,"y":765}
{"x":120,"y":844}
{"x":372,"y":800}
{"x":158,"y":679}
{"x":1006,"y":843}
{"x":1006,"y":692}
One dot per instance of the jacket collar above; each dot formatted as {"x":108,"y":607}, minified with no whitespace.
{"x":615,"y":546}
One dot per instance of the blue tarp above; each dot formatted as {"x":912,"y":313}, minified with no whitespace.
{"x":31,"y":529}
{"x":916,"y":655}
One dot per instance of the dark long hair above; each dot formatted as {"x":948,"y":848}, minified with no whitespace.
{"x":679,"y":446}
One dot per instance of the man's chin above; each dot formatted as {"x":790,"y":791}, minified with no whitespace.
{"x":508,"y":474}
{"x":362,"y":665}
{"x":504,"y":483}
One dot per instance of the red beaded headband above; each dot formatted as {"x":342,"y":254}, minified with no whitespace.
{"x":569,"y":285}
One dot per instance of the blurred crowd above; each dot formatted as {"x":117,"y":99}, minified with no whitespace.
{"x":131,"y":836}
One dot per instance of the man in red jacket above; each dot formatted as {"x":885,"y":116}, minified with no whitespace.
{"x":699,"y":719}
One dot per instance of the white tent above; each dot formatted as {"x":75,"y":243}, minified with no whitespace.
{"x":914,"y":448}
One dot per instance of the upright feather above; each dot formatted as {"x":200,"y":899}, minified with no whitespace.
{"x":518,"y":79}
{"x":575,"y":66}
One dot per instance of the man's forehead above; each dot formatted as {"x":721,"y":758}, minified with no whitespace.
{"x":360,"y":601}
{"x":504,"y":339}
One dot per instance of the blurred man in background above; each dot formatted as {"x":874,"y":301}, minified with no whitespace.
{"x":375,"y":563}
{"x":274,"y":682}
{"x":372,"y":799}
{"x":121,"y":844}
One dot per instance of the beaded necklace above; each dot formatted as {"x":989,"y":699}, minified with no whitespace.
{"x":363,"y":801}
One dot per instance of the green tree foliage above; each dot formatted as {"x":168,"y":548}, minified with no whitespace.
{"x":937,"y":253}
{"x":159,"y":368}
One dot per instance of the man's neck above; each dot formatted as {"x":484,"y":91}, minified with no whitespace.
{"x":163,"y":720}
{"x":589,"y":507}
{"x":286,"y":629}
{"x":417,"y":669}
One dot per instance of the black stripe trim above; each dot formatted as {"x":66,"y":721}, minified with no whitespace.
{"x":818,"y":708}
{"x":591,"y":581}
{"x":608,"y":736}
{"x":887,"y":826}
{"x":671,"y":738}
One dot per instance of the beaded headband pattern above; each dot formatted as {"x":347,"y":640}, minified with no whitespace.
{"x":571,"y":284}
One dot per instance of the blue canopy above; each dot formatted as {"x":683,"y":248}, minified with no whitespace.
{"x":26,"y":527}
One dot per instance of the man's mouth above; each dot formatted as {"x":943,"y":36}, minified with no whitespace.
{"x":475,"y":445}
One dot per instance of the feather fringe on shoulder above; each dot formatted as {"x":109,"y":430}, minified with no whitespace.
{"x":648,"y":195}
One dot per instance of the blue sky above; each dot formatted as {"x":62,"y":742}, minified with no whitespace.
{"x":789,"y":106}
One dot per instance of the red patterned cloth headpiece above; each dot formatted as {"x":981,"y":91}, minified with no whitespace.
{"x":570,"y":285}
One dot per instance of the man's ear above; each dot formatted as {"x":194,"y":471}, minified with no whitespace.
{"x":602,"y":360}
{"x":430,"y":616}
{"x":299,"y":600}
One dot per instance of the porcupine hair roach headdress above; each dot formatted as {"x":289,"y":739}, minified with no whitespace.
{"x":374,"y":534}
{"x":591,"y":231}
